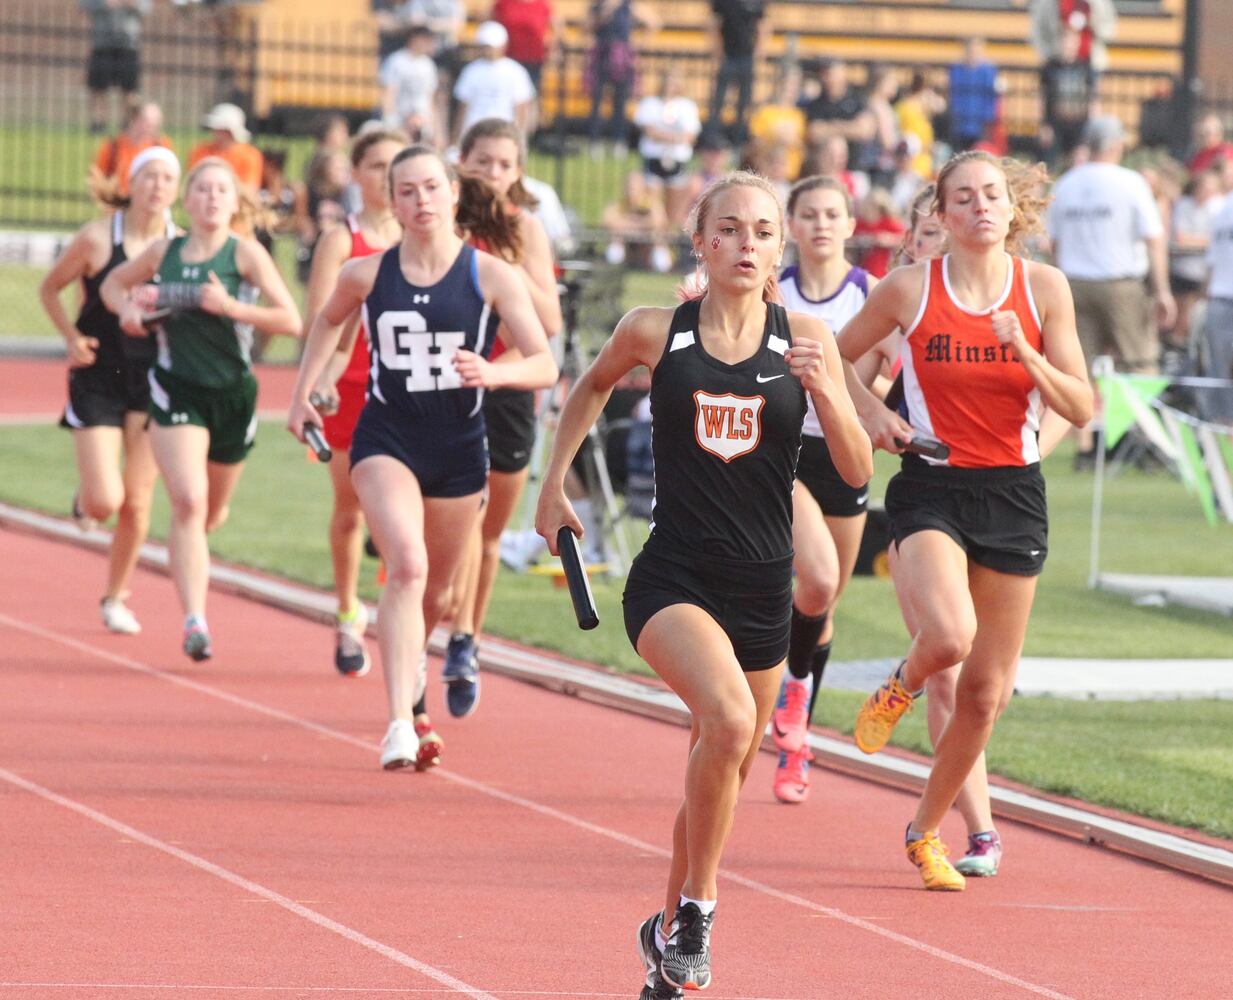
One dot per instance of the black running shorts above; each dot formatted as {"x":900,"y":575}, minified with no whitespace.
{"x":998,"y":516}
{"x":751,"y":602}
{"x":510,"y":417}
{"x":101,"y":396}
{"x":817,"y":471}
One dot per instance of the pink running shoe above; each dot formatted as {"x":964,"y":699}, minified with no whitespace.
{"x":790,"y":723}
{"x":431,"y":746}
{"x":792,"y":777}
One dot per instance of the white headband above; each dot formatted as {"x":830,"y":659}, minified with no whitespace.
{"x":149,"y":155}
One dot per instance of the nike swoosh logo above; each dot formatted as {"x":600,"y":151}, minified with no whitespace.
{"x":768,"y":378}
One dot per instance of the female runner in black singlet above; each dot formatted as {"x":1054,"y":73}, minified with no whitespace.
{"x":108,"y":391}
{"x":708,"y":601}
{"x":419,"y":456}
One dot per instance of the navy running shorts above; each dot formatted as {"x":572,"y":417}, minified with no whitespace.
{"x":750,"y":601}
{"x":998,"y":516}
{"x":817,"y":471}
{"x":446,"y":463}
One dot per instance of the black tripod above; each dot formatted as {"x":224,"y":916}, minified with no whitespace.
{"x":594,"y":466}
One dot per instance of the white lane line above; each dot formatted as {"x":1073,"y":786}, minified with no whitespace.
{"x":200,"y":863}
{"x":537,"y":807}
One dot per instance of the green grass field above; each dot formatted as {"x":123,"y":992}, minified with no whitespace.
{"x":1161,"y":759}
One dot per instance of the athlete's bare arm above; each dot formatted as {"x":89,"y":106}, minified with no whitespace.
{"x":86,"y":254}
{"x":279,"y":318}
{"x":505,"y":289}
{"x":1060,"y":373}
{"x":638,"y":339}
{"x":355,"y":281}
{"x":130,"y":274}
{"x":332,"y":251}
{"x":814,"y":360}
{"x":892,"y":305}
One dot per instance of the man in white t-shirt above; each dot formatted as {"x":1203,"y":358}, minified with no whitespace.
{"x":1107,"y":239}
{"x":409,"y":80}
{"x":493,"y":86}
{"x":1216,"y":403}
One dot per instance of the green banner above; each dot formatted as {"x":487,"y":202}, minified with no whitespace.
{"x":1193,"y":457}
{"x":1119,"y":394}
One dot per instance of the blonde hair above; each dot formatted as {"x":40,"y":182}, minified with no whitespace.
{"x":106,"y":191}
{"x":1024,"y":183}
{"x":920,"y":209}
{"x":250,"y":214}
{"x":702,"y":208}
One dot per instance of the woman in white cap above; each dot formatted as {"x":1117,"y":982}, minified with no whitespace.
{"x":108,"y":391}
{"x":493,"y":86}
{"x":229,"y":143}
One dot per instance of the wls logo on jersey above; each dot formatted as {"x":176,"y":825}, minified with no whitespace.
{"x":728,"y":426}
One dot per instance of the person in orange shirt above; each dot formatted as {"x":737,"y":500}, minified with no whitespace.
{"x":230,"y":143}
{"x":143,"y":129}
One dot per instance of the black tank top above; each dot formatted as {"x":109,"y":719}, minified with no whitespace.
{"x":725,"y":441}
{"x":115,"y":347}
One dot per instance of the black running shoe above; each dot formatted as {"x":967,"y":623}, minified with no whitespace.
{"x":648,"y":951}
{"x":686,"y":961}
{"x":370,"y":547}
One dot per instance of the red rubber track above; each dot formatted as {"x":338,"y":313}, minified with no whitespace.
{"x":223,"y":830}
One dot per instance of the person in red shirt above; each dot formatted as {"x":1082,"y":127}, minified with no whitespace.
{"x":1210,"y":145}
{"x":532,"y":25}
{"x":989,"y":338}
{"x":879,"y":230}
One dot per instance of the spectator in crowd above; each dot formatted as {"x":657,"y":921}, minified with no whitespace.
{"x":493,"y":86}
{"x":974,"y":90}
{"x":392,"y":27}
{"x":409,"y":80}
{"x":906,"y":182}
{"x":833,"y":162}
{"x":1191,"y":229}
{"x":879,"y":230}
{"x":1217,"y":404}
{"x":611,"y":65}
{"x":879,"y":153}
{"x":115,"y":53}
{"x":1094,"y":21}
{"x":445,"y":19}
{"x":837,"y":111}
{"x":916,"y":111}
{"x":635,"y":218}
{"x":532,"y":27}
{"x":714,"y":160}
{"x":669,"y":125}
{"x":551,"y":215}
{"x":780,"y":123}
{"x":229,"y":142}
{"x":1107,"y":238}
{"x":739,"y":30}
{"x":1068,"y":91}
{"x":1209,"y":144}
{"x":143,"y":129}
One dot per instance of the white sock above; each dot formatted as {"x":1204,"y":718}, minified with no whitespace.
{"x":705,"y":905}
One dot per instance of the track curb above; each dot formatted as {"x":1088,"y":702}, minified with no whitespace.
{"x":633,"y":695}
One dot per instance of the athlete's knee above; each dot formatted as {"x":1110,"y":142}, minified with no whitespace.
{"x":217,"y":517}
{"x":406,"y":565}
{"x":100,"y":503}
{"x":728,"y":730}
{"x":189,"y":505}
{"x":346,"y":520}
{"x":816,"y":589}
{"x":979,"y":703}
{"x":135,"y":510}
{"x":947,"y":640}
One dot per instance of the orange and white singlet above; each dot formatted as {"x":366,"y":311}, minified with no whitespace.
{"x":961,"y":385}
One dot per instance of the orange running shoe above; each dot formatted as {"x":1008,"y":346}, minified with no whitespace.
{"x":876,"y":720}
{"x":929,"y":856}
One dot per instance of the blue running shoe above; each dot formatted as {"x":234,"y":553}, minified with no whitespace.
{"x":655,"y":987}
{"x":686,"y":961}
{"x":461,"y":675}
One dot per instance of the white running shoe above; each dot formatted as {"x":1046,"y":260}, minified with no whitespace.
{"x":118,"y":618}
{"x":520,"y":549}
{"x":400,"y":747}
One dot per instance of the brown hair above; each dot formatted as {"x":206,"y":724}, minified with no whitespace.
{"x":367,"y":140}
{"x":819,"y":183}
{"x":702,"y":208}
{"x":499,"y":128}
{"x":1024,"y":182}
{"x":480,"y":215}
{"x":106,"y":191}
{"x":920,"y":209}
{"x":250,"y":214}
